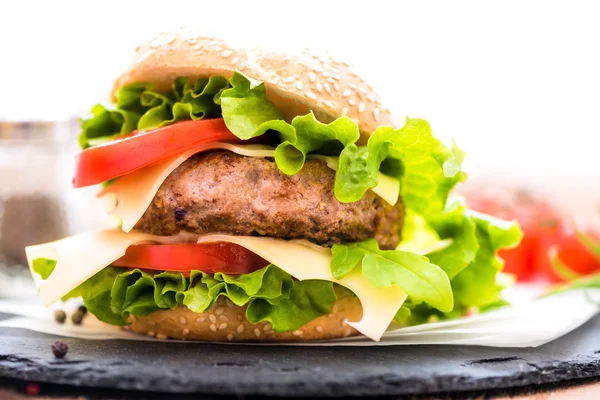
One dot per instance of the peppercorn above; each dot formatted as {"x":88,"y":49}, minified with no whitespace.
{"x":60,"y":316}
{"x":59,"y":349}
{"x":82,"y":309}
{"x":77,"y":317}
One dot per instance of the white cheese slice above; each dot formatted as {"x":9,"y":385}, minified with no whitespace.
{"x":130,"y":195}
{"x":305,"y":262}
{"x":80,"y":257}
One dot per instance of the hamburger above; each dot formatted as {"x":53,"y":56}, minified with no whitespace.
{"x":267,"y":196}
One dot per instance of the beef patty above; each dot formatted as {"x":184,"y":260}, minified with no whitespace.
{"x":224,"y":192}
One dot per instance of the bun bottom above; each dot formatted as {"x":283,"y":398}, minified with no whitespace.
{"x":227,"y":322}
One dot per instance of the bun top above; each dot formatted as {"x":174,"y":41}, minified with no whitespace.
{"x":296,"y":83}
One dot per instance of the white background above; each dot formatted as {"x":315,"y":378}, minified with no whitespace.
{"x":516,"y":83}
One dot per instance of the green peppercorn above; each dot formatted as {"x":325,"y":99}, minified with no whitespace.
{"x":77,"y":317}
{"x":60,"y":316}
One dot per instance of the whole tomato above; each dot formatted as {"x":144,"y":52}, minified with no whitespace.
{"x":538,"y":218}
{"x":570,"y":250}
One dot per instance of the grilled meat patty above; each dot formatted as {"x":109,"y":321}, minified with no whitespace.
{"x":223,"y":192}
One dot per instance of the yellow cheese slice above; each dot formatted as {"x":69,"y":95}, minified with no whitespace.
{"x":303,"y":261}
{"x":80,"y":257}
{"x":130,"y":195}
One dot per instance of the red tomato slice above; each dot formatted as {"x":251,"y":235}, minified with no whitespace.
{"x":211,"y":258}
{"x":570,"y":250}
{"x":119,"y":157}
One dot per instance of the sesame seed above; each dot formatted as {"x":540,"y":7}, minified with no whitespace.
{"x":352,"y":86}
{"x":182,"y":320}
{"x":361,"y":107}
{"x":344,"y":111}
{"x":151,"y":323}
{"x":371,"y":98}
{"x":334,"y":309}
{"x":376,"y":114}
{"x":326,"y":74}
{"x":218,"y":48}
{"x":223,"y":318}
{"x":185,"y":332}
{"x":327,"y":88}
{"x":228,"y":303}
{"x":150,"y":333}
{"x":192,"y":41}
{"x":319,"y":328}
{"x":336,"y":86}
{"x":212,"y":318}
{"x":257,"y":332}
{"x":298,"y":333}
{"x":336,"y":77}
{"x":267,"y":327}
{"x":312,"y":76}
{"x":198,"y":47}
{"x":212,"y":42}
{"x":276,"y":80}
{"x":226,"y":53}
{"x":299,"y":85}
{"x":171,"y":40}
{"x":223,"y":326}
{"x":240,"y":328}
{"x":347,"y":93}
{"x":351,"y":102}
{"x":240,"y":317}
{"x":200,"y":320}
{"x":213,"y":327}
{"x":289,"y":79}
{"x":360,"y":94}
{"x":229,"y":337}
{"x":235,"y":60}
{"x":328,"y":103}
{"x":161,"y":336}
{"x":319,"y":87}
{"x":311,"y":95}
{"x":219,"y":310}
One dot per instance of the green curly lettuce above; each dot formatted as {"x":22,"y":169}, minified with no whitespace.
{"x":113,"y":294}
{"x":426,"y":169}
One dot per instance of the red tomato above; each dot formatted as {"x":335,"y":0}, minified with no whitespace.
{"x":119,"y":157}
{"x":538,"y":218}
{"x":211,"y":258}
{"x":570,"y":250}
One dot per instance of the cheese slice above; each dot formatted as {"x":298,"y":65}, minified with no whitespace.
{"x":130,"y":195}
{"x":304,"y":262}
{"x":80,"y":257}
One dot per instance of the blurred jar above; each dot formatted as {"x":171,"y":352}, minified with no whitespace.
{"x":37,"y":202}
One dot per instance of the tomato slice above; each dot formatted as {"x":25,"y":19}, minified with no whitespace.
{"x":119,"y":157}
{"x":211,"y":258}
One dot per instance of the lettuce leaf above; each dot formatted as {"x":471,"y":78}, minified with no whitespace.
{"x":471,"y":262}
{"x":272,"y":295}
{"x":419,"y":278}
{"x":426,"y":169}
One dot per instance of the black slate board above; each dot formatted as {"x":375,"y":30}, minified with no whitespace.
{"x":297,"y":371}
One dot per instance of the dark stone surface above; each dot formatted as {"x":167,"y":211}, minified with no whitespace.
{"x":297,"y":371}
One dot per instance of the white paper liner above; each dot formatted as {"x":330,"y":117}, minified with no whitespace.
{"x":529,"y":323}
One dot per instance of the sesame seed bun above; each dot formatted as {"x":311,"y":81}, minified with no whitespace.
{"x":296,"y":83}
{"x":227,"y":322}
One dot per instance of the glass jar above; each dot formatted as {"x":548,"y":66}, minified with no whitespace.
{"x":37,"y":202}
